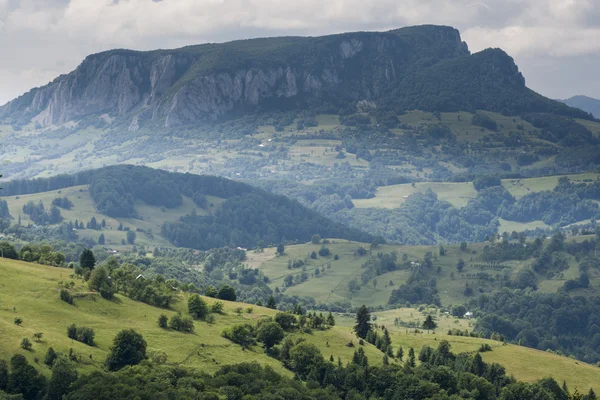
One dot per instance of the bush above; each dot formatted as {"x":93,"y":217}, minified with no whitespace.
{"x":181,"y":323}
{"x":163,"y":321}
{"x":324,"y":251}
{"x":66,"y":296}
{"x":197,"y":307}
{"x":50,"y":357}
{"x":242,"y":334}
{"x":81,"y":334}
{"x":129,"y":348}
{"x":227,"y":293}
{"x":211,"y":291}
{"x":286,"y":320}
{"x":217,"y":307}
{"x":26,"y":344}
{"x":270,"y":334}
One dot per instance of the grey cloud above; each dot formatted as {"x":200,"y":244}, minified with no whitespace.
{"x":40,"y":39}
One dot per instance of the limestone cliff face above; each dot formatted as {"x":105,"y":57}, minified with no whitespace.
{"x":206,"y":82}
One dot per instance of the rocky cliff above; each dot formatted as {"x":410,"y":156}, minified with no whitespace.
{"x":206,"y":82}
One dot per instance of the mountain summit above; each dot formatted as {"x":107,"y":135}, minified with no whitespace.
{"x":423,"y":67}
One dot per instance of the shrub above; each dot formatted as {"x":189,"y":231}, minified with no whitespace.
{"x":163,"y":321}
{"x":81,"y":334}
{"x":129,"y":348}
{"x":242,"y":334}
{"x":217,"y":307}
{"x":324,"y":251}
{"x":211,"y":291}
{"x":50,"y":357}
{"x":18,"y":321}
{"x":286,"y":320}
{"x":270,"y":334}
{"x":26,"y":344}
{"x":66,"y":296}
{"x":197,"y":307}
{"x":181,"y":323}
{"x":227,"y":293}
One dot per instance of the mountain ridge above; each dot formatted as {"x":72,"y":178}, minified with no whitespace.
{"x":203,"y":83}
{"x":585,"y":103}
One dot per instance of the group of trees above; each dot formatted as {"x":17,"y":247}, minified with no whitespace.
{"x":38,"y":214}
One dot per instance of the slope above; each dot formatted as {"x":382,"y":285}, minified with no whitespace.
{"x":199,"y":212}
{"x":585,"y":103}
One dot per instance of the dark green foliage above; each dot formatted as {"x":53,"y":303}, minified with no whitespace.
{"x":38,"y":214}
{"x":66,"y":296}
{"x":242,"y":334}
{"x":280,"y":249}
{"x":197,"y":307}
{"x":81,"y":334}
{"x":8,"y":251}
{"x":484,"y":121}
{"x":286,"y":320}
{"x":63,"y":376}
{"x":363,"y":322}
{"x":324,"y":251}
{"x":484,"y":182}
{"x":4,"y":212}
{"x":100,"y":282}
{"x":227,"y":293}
{"x":129,"y":348}
{"x":271,"y":303}
{"x":24,"y":379}
{"x":26,"y":344}
{"x":561,"y":323}
{"x":270,"y":334}
{"x":181,"y":323}
{"x":50,"y":357}
{"x":130,"y":237}
{"x":101,"y":240}
{"x":163,"y":321}
{"x":211,"y":291}
{"x":87,"y":259}
{"x":63,"y":202}
{"x":429,"y":323}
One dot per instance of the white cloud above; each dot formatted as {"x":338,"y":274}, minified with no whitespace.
{"x":49,"y":37}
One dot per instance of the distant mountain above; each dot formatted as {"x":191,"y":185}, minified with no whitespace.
{"x":422,"y":67}
{"x":587,"y":104}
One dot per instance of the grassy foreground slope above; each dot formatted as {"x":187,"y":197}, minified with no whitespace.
{"x":31,"y":292}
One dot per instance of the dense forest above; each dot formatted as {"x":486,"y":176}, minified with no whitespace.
{"x":246,"y":217}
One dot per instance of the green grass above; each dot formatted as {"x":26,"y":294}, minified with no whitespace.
{"x":458,"y":194}
{"x":520,"y":187}
{"x":31,"y":291}
{"x":151,"y":218}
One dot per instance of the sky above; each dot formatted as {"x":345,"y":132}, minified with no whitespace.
{"x":556,"y":43}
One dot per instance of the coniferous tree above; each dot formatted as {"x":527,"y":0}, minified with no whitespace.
{"x":101,"y":239}
{"x":411,"y":357}
{"x":271,"y":302}
{"x":363,"y":322}
{"x":87,"y":259}
{"x":429,"y":323}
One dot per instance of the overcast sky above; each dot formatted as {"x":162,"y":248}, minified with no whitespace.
{"x":556,"y":43}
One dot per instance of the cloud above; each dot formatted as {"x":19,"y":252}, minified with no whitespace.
{"x":43,"y":38}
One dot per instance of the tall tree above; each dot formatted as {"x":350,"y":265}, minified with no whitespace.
{"x":129,"y":348}
{"x":429,"y":323}
{"x":87,"y":259}
{"x":363,"y":322}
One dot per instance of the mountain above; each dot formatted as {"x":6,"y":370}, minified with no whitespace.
{"x":425,"y":67}
{"x":193,"y":211}
{"x":587,"y":104}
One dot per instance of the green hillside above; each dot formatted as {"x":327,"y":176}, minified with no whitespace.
{"x":31,"y":292}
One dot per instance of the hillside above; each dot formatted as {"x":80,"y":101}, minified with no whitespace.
{"x":200,"y":212}
{"x":31,"y":292}
{"x":425,"y":67}
{"x":585,"y":103}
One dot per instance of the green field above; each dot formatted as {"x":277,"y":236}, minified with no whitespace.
{"x":151,"y":218}
{"x":458,"y":194}
{"x":331,"y":285}
{"x":31,"y":292}
{"x":520,"y":187}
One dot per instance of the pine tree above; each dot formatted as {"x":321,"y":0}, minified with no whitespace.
{"x":429,"y":323}
{"x":411,"y":357}
{"x":271,"y":302}
{"x":330,"y":319}
{"x":87,"y":259}
{"x":400,"y":353}
{"x":101,"y":240}
{"x":363,"y":322}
